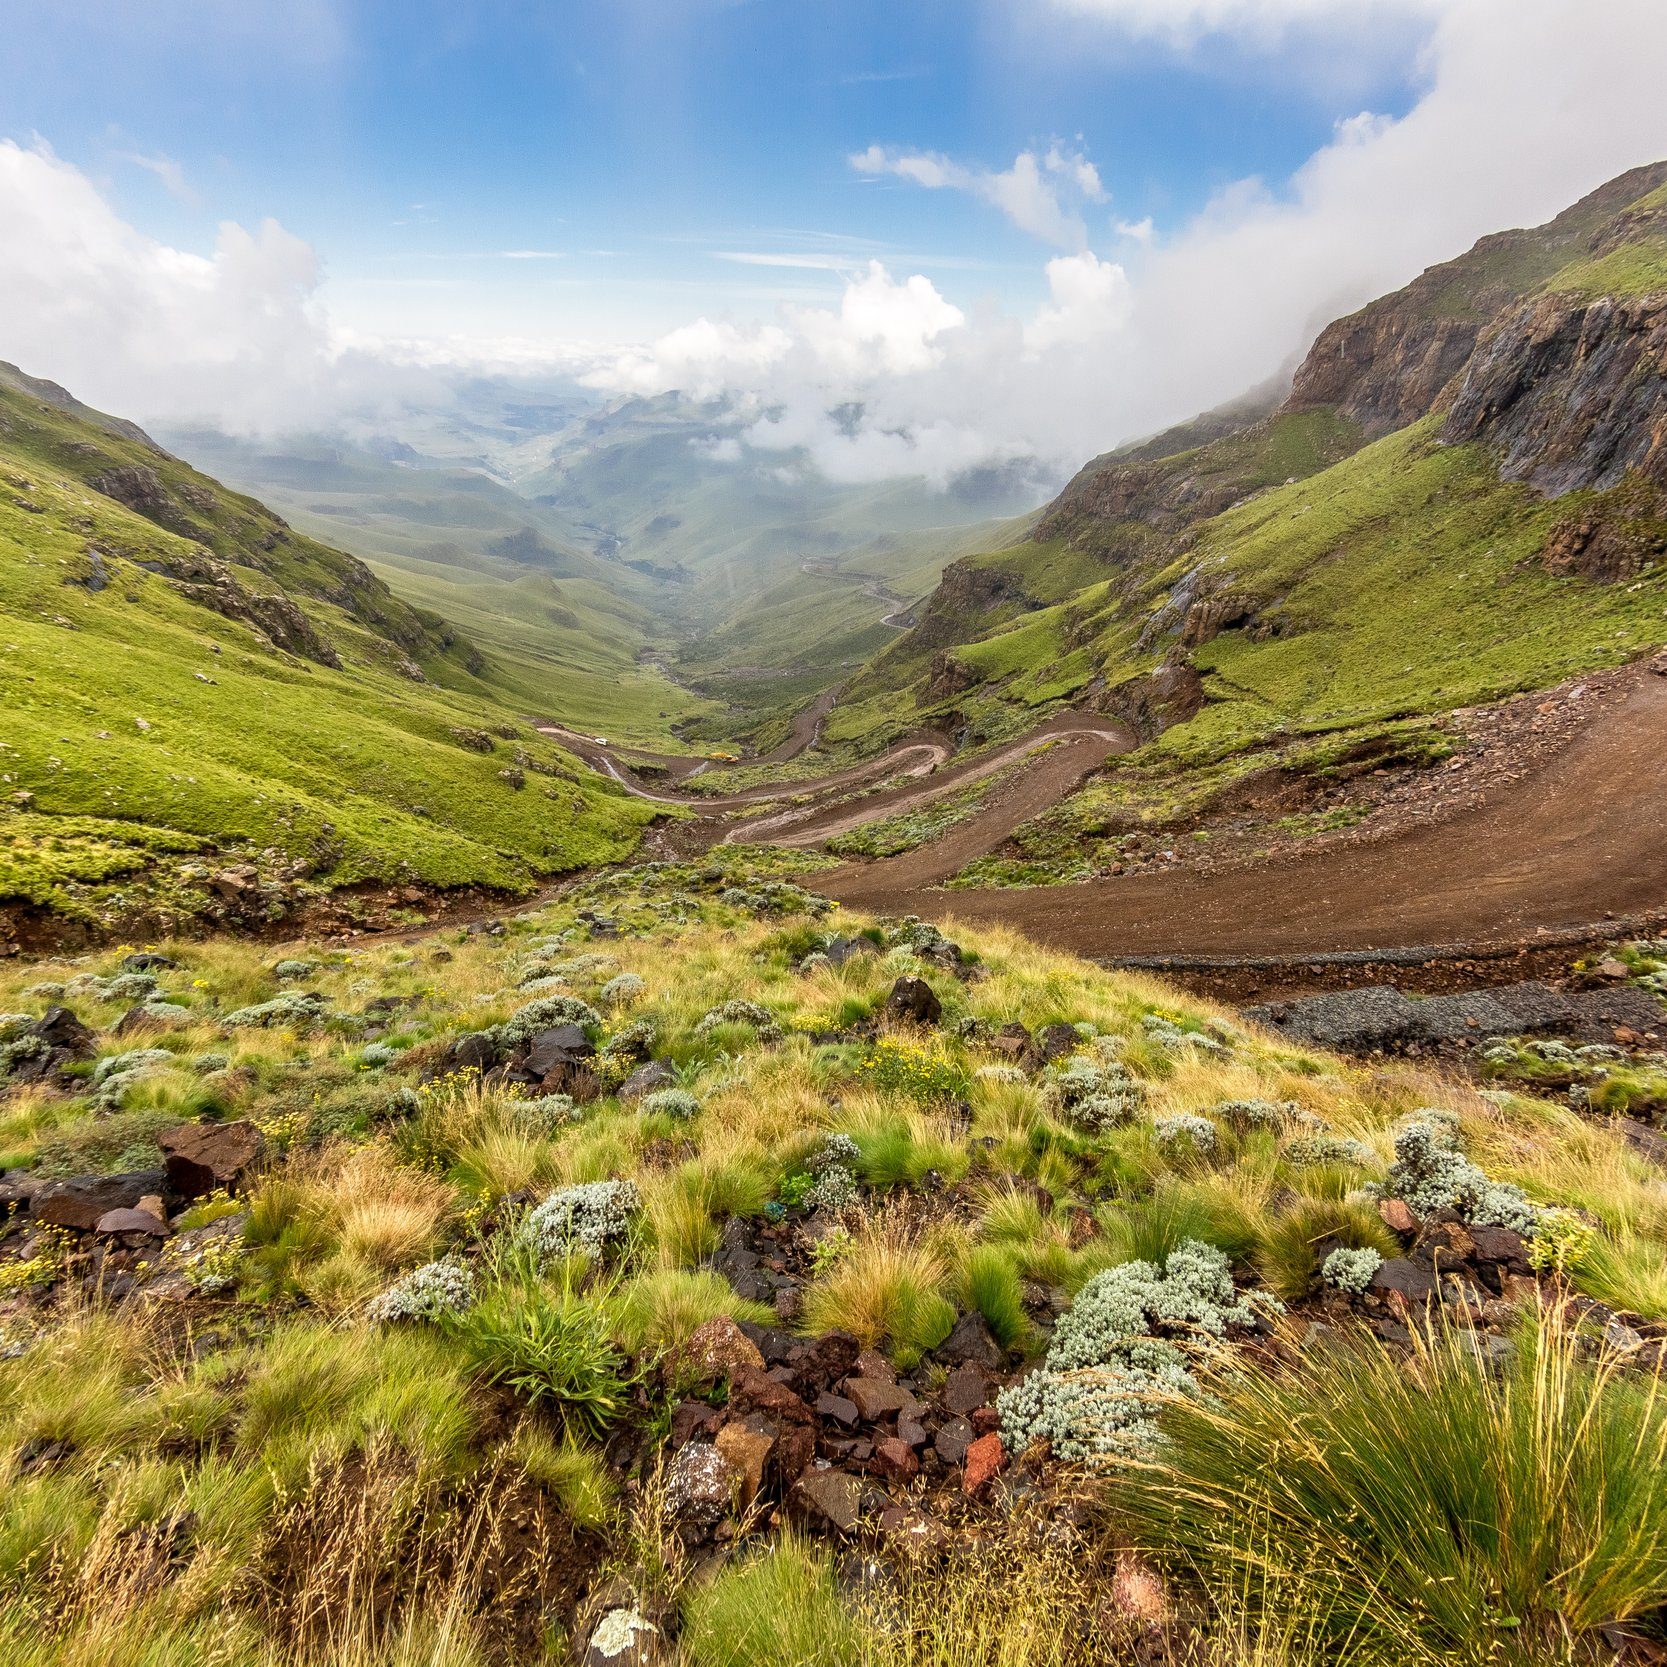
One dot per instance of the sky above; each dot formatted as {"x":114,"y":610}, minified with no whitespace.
{"x":996,"y":228}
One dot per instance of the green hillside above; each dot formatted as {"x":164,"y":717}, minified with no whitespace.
{"x":271,"y":708}
{"x":1295,"y":576}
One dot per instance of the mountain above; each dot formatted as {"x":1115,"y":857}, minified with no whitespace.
{"x":1463,"y":495}
{"x":213,"y":716}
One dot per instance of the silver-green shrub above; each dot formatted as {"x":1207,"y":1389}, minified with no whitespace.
{"x":622,"y":990}
{"x":434,"y":1292}
{"x":738,"y":1012}
{"x":1350,"y":1269}
{"x":586,"y":1217}
{"x":670,"y":1102}
{"x":1184,"y":1134}
{"x":1430,"y":1174}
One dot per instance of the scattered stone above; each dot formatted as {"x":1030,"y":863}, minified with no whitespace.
{"x":83,"y":1201}
{"x":830,"y":1497}
{"x":1396,"y":1216}
{"x":746,"y":1450}
{"x":870,"y":1363}
{"x":965,"y":1390}
{"x":204,"y":1157}
{"x":837,"y":1408}
{"x":985,"y":1457}
{"x":875,"y":1398}
{"x":971,"y":1342}
{"x":700,"y":1484}
{"x":1056,"y":1041}
{"x":135,"y":1220}
{"x":716,"y":1349}
{"x":646,"y":1079}
{"x":914,"y":1001}
{"x":952,"y":1441}
{"x":894,"y":1459}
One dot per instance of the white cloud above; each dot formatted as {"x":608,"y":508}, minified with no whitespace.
{"x":1030,"y":193}
{"x":1528,"y":105}
{"x":1182,"y":22}
{"x":144,"y":329}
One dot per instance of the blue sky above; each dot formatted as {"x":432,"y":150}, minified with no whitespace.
{"x":1002,"y":230}
{"x":619,"y":146}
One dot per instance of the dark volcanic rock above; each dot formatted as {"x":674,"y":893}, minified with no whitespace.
{"x":83,"y":1200}
{"x":1346,"y":1019}
{"x":202,"y":1157}
{"x":914,"y":1001}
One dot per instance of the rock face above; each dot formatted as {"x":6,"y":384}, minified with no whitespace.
{"x":201,"y":1157}
{"x":1571,"y":392}
{"x":87,"y":1199}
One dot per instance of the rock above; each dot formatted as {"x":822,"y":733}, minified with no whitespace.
{"x":1013,"y":1041}
{"x":913,"y":1001}
{"x":202,"y":1157}
{"x":623,"y":1638}
{"x":910,"y":1533}
{"x":1500,"y":1244}
{"x":985,"y":1457}
{"x":700,"y":1485}
{"x":1643,"y":1140}
{"x":972,"y":1343}
{"x":754,"y":1391}
{"x":134,"y":1220}
{"x":716,"y":1349}
{"x":875,"y":1398}
{"x":1397,"y":1217}
{"x":645,"y":1079}
{"x":870,"y":1363}
{"x":952,"y":1441}
{"x":560,"y":1045}
{"x":837,"y":1408}
{"x":777,"y":1346}
{"x":691,"y":1420}
{"x":1056,"y":1041}
{"x":965,"y":1390}
{"x":1455,"y":1018}
{"x":828,"y":1497}
{"x":826,"y":1359}
{"x":83,"y":1200}
{"x":746,"y":1449}
{"x":1534,"y":1006}
{"x":59,"y":1028}
{"x":894,"y":1459}
{"x":146,"y":960}
{"x":475,"y":1052}
{"x":841,"y":950}
{"x":1351,"y":1020}
{"x":1612,"y":969}
{"x":1405,"y":1279}
{"x":910,"y":1431}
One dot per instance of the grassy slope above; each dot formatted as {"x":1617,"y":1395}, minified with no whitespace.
{"x":563,"y":630}
{"x":267,"y":1438}
{"x":354,"y":773}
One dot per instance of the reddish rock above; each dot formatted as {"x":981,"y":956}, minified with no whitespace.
{"x":132,"y":1221}
{"x":716,"y":1349}
{"x":754,"y":1391}
{"x":794,"y":1454}
{"x":747,"y":1450}
{"x":81,"y":1201}
{"x":1396,"y":1216}
{"x":985,"y":1457}
{"x":895,"y":1460}
{"x":690,"y":1419}
{"x":202,"y":1157}
{"x":1405,"y":1279}
{"x":985,"y":1419}
{"x":826,"y":1359}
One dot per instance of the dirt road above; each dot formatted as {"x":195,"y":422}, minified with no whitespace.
{"x":1581,"y":837}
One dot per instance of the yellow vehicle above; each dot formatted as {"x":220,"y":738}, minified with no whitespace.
{"x":724,"y":757}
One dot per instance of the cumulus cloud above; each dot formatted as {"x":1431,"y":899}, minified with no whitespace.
{"x":1035,"y":193}
{"x":1528,"y":104}
{"x":140,"y":327}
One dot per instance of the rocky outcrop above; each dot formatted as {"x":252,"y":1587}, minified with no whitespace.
{"x":1570,"y":392}
{"x":1159,"y":495}
{"x":967,"y":599}
{"x":210,"y":583}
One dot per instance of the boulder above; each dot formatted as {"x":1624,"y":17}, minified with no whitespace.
{"x":952,"y":1440}
{"x":1405,"y":1279}
{"x":203,"y":1157}
{"x":59,"y":1028}
{"x":841,"y":950}
{"x":913,"y":1001}
{"x":475,"y":1052}
{"x":755,"y":1391}
{"x":548,"y":1050}
{"x":838,"y":1409}
{"x":1056,"y":1041}
{"x":965,"y":1390}
{"x":132,"y":1221}
{"x":826,"y":1359}
{"x":870,"y":1363}
{"x":894,"y":1459}
{"x":1396,"y":1216}
{"x":875,"y":1398}
{"x":81,"y":1202}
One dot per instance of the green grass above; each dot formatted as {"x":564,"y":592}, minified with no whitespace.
{"x":1633,"y":269}
{"x":141,"y":727}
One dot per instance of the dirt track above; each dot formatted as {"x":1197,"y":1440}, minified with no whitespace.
{"x":1582,"y":837}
